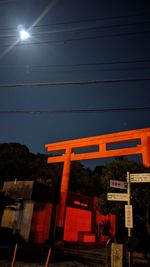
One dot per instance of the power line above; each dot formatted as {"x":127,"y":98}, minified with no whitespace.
{"x":120,"y":69}
{"x":46,"y":84}
{"x":134,"y":109}
{"x":90,"y":70}
{"x":79,"y":29}
{"x":78,"y":38}
{"x":92,"y":64}
{"x":82,"y":21}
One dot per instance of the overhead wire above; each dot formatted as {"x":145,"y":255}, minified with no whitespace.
{"x":82,"y":20}
{"x":88,"y":70}
{"x":91,"y":64}
{"x":7,"y":112}
{"x":79,"y":29}
{"x":46,"y":84}
{"x":77,"y":39}
{"x":66,"y":83}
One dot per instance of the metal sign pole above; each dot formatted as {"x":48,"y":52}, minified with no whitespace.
{"x":129,"y":197}
{"x":128,"y":208}
{"x":129,"y":203}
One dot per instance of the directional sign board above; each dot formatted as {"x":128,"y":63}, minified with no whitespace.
{"x":140,"y":178}
{"x":118,"y":184}
{"x":128,"y":216}
{"x":117,"y":255}
{"x":117,"y":197}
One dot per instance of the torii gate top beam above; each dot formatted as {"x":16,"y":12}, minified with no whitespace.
{"x":102,"y":141}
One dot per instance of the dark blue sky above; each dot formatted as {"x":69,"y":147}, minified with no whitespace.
{"x":76,"y":40}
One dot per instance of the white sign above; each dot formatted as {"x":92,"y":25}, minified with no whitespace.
{"x":128,"y":216}
{"x":118,"y":184}
{"x":117,"y":197}
{"x":140,"y":178}
{"x":117,"y":255}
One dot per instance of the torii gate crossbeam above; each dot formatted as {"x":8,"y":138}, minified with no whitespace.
{"x":101,"y":142}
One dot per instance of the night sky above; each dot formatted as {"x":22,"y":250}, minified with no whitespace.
{"x":73,"y":41}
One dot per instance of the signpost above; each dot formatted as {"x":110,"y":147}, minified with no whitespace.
{"x":117,"y":196}
{"x":118,"y":184}
{"x":131,"y":178}
{"x":116,"y":255}
{"x":128,"y":216}
{"x":140,"y":178}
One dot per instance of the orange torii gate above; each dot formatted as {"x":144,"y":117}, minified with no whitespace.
{"x":100,"y":142}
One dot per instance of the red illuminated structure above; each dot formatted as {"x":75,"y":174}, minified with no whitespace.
{"x":101,"y":144}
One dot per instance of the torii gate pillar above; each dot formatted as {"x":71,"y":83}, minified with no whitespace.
{"x":63,"y":194}
{"x":145,"y":142}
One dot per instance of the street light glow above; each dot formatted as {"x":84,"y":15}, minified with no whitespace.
{"x":24,"y":35}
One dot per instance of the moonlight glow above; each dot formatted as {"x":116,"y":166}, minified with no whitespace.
{"x":24,"y":35}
